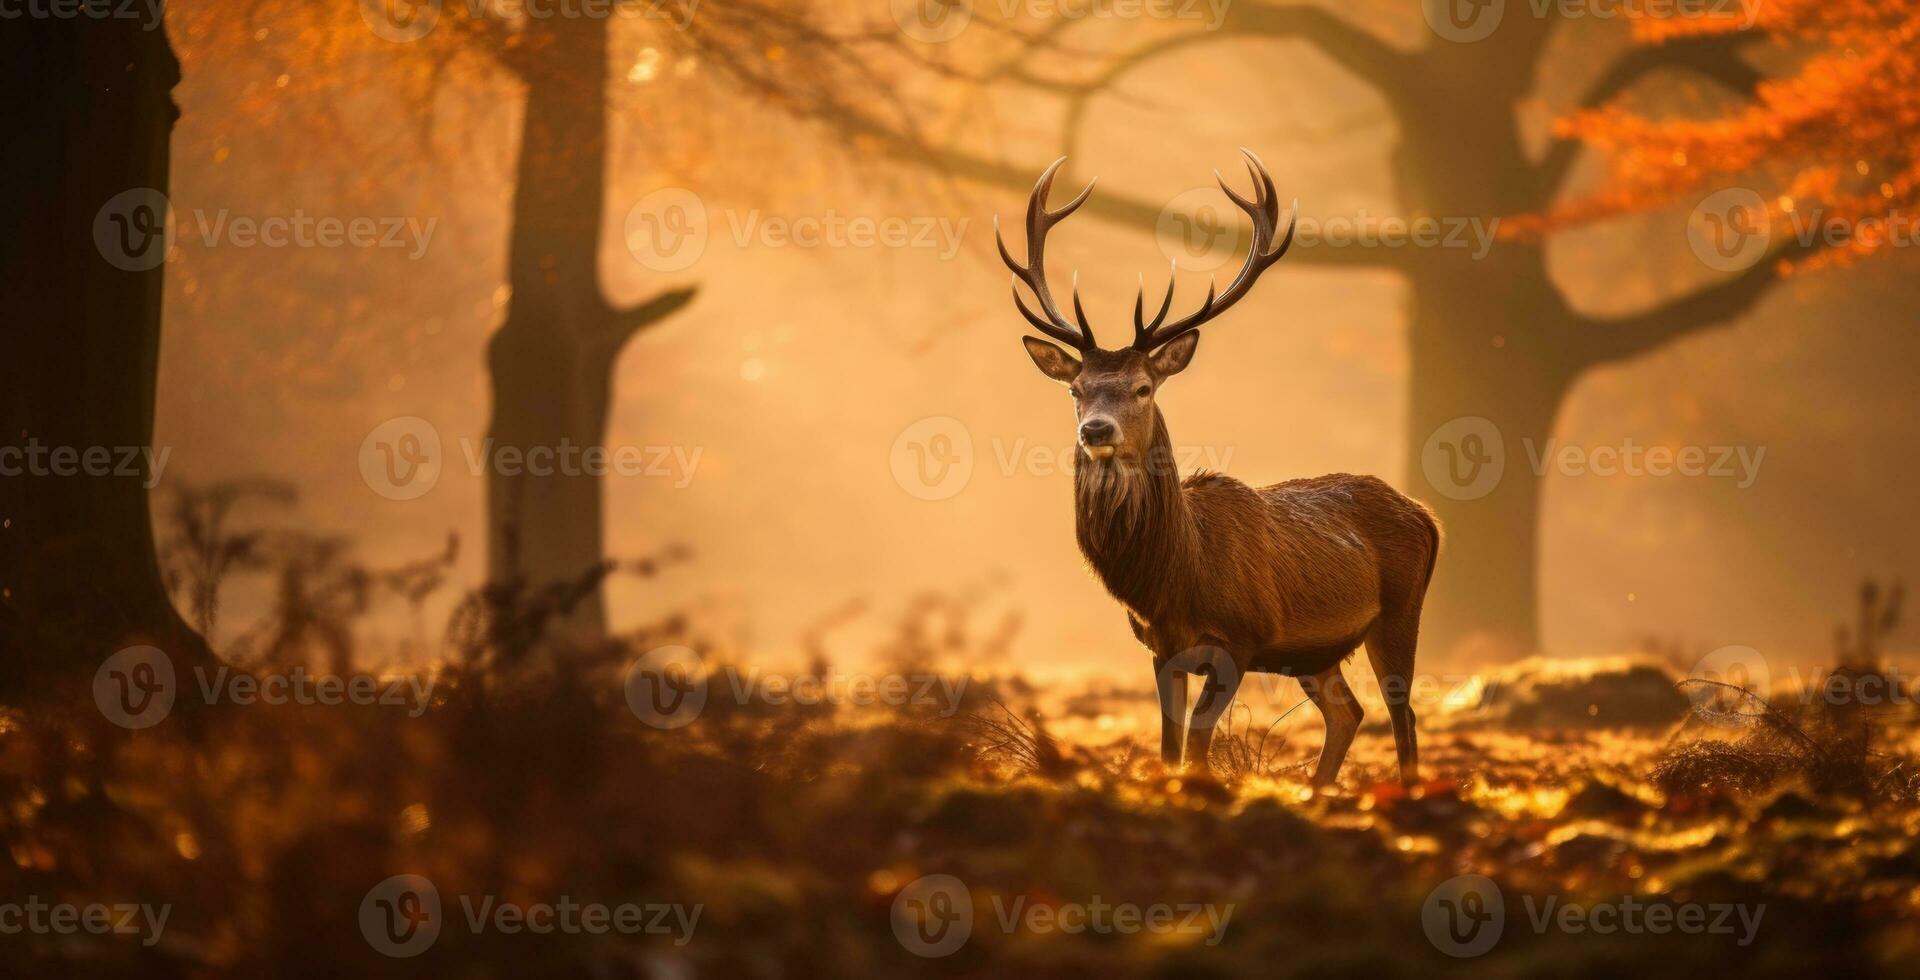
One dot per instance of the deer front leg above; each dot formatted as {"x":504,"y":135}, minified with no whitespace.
{"x":1173,"y":710}
{"x":1220,"y":681}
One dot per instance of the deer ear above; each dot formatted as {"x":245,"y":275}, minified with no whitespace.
{"x":1172,"y":359}
{"x":1052,"y":359}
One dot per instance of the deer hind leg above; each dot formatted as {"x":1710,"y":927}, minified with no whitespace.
{"x":1329,"y":692}
{"x":1219,"y":682}
{"x":1390,"y":646}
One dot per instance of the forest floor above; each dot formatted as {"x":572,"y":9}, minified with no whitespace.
{"x":981,"y":828}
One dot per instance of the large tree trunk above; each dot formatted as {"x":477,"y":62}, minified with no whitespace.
{"x":1492,"y":338}
{"x":1487,"y":375}
{"x":1483,"y":402}
{"x":552,"y":361}
{"x":84,"y":284}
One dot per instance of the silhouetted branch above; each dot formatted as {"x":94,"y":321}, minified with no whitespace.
{"x":1602,"y":340}
{"x":1715,"y":56}
{"x":1354,"y":48}
{"x":623,"y":324}
{"x":1372,"y":60}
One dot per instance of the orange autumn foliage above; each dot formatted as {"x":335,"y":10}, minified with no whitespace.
{"x":1836,"y":141}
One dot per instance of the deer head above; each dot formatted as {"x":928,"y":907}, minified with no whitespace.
{"x":1113,"y":390}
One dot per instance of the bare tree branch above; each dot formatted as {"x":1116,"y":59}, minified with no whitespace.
{"x":1366,"y":56}
{"x":1354,"y":48}
{"x":1111,"y":72}
{"x":1123,"y":208}
{"x":1602,"y":340}
{"x":900,"y":139}
{"x":1715,"y":56}
{"x":623,"y":324}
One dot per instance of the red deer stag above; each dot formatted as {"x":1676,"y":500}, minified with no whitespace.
{"x":1288,"y":579}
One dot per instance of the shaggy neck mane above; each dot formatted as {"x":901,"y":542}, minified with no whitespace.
{"x":1132,"y":522}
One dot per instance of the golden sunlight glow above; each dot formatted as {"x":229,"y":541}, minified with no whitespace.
{"x":646,"y":67}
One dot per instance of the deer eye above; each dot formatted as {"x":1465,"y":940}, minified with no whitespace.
{"x":1143,"y":391}
{"x":1075,"y":392}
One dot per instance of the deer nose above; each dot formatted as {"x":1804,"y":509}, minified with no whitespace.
{"x":1097,"y":432}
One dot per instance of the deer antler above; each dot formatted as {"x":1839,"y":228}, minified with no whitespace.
{"x":1265,"y":211}
{"x":1034,"y":273}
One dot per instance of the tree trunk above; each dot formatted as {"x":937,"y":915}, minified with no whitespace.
{"x":1487,"y":383}
{"x":1487,"y":374}
{"x":82,"y":184}
{"x":552,"y":361}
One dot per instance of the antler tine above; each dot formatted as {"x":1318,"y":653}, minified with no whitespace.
{"x":1207,"y":307}
{"x":1263,"y":192}
{"x":1264,"y":210}
{"x":1050,"y":329}
{"x":1058,"y":331}
{"x":1079,"y":313}
{"x":1142,"y":330}
{"x":1005,"y":256}
{"x":1034,"y":272}
{"x":1037,"y":213}
{"x":1251,"y":207}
